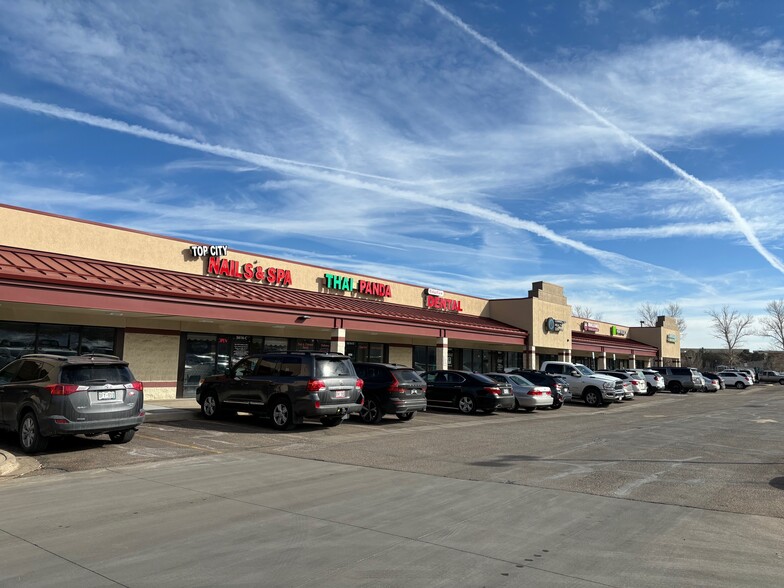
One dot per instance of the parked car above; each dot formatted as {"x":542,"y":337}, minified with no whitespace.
{"x":710,"y":384}
{"x":559,"y":387}
{"x":636,"y":384}
{"x":467,"y":391}
{"x":679,"y":380}
{"x":715,"y":376}
{"x":771,"y":376}
{"x":286,"y":387}
{"x":654,"y":380}
{"x":528,"y":395}
{"x":390,"y":388}
{"x":738,"y":379}
{"x":594,"y":389}
{"x":47,"y":395}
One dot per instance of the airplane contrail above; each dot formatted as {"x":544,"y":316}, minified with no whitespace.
{"x":720,"y":199}
{"x":346,"y":178}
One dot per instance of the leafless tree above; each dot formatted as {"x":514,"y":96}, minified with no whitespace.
{"x":586,"y":312}
{"x":773,"y":324}
{"x":731,"y":327}
{"x":674,"y":310}
{"x":648,"y":314}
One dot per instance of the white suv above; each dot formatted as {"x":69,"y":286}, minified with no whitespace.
{"x":737,"y":379}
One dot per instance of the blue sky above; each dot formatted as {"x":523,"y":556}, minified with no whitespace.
{"x":629,"y":151}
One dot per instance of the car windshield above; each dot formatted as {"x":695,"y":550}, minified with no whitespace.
{"x":520,"y":381}
{"x":406,"y":376}
{"x":483,"y":379}
{"x":84,"y":374}
{"x":586,"y":371}
{"x":334,"y":367}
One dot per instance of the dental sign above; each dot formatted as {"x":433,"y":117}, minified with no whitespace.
{"x":435,"y":300}
{"x":333,"y":282}
{"x":590,"y":327}
{"x":218,"y":265}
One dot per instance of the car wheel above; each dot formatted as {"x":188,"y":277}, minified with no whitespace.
{"x":120,"y":437}
{"x":676,"y":387}
{"x":740,"y":385}
{"x":30,"y":437}
{"x":516,"y":406}
{"x":781,"y":381}
{"x":466,"y":405}
{"x":405,"y":416}
{"x":593,"y":398}
{"x":209,"y":406}
{"x":556,"y":405}
{"x":280,"y":414}
{"x":370,"y":412}
{"x":652,"y":392}
{"x":331,"y":421}
{"x":529,"y":408}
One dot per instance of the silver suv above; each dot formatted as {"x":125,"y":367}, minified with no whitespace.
{"x":46,"y":395}
{"x":286,"y":387}
{"x":680,"y":380}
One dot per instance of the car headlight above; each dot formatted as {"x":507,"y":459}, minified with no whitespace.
{"x":608,"y":385}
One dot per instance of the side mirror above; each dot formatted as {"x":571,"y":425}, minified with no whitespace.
{"x":575,"y":373}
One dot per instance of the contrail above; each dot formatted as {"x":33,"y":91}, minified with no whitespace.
{"x":720,"y":199}
{"x":336,"y":176}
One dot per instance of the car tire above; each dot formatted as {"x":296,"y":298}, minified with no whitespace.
{"x":593,"y":398}
{"x":210,"y":406}
{"x":371,"y":412}
{"x":516,"y":406}
{"x":676,"y":387}
{"x":120,"y":437}
{"x":30,"y":438}
{"x":466,"y":405}
{"x":280,"y":414}
{"x":556,"y":405}
{"x":740,"y":385}
{"x":781,"y":381}
{"x":529,"y":408}
{"x":405,"y":416}
{"x":331,"y":421}
{"x":652,"y":392}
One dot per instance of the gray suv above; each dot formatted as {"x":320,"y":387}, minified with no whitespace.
{"x":43,"y":395}
{"x":286,"y":387}
{"x":680,"y":380}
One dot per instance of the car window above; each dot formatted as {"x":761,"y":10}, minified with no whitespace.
{"x":406,"y":376}
{"x":496,"y":377}
{"x":107,"y":373}
{"x":555,"y":369}
{"x":329,"y":367}
{"x":457,"y":379}
{"x":292,"y":366}
{"x":483,"y":379}
{"x":520,"y":381}
{"x":28,"y":372}
{"x":246,"y":367}
{"x":266,"y":367}
{"x":8,"y":372}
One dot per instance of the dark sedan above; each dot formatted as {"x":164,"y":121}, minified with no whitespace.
{"x":467,"y":391}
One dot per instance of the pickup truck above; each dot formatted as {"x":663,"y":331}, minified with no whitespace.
{"x":771,"y":376}
{"x":594,"y":389}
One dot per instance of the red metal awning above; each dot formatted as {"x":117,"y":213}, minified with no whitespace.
{"x":37,"y":277}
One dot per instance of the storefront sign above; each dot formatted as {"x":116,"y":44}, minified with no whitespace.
{"x":617,"y":331}
{"x":553,"y":325}
{"x":439,"y":303}
{"x":590,"y":327}
{"x":232,"y":268}
{"x":671,"y":338}
{"x":211,"y":250}
{"x":333,"y":282}
{"x":434,"y":292}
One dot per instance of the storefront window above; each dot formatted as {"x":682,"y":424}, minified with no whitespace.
{"x":424,"y":358}
{"x":60,"y":339}
{"x":371,"y":352}
{"x":97,"y":340}
{"x":200,"y":359}
{"x":275,"y":344}
{"x":310,"y":345}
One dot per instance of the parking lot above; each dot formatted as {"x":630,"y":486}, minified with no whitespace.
{"x":719,"y":451}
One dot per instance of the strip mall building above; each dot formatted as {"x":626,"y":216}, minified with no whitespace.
{"x":177,"y":311}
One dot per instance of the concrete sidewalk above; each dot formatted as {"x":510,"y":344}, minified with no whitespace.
{"x":8,"y":463}
{"x":175,"y":409}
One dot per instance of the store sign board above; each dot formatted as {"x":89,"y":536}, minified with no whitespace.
{"x":439,"y":303}
{"x":434,"y":292}
{"x":590,"y":327}
{"x":617,"y":331}
{"x":211,"y":250}
{"x":346,"y":284}
{"x":553,"y":325}
{"x":672,"y":338}
{"x":231,"y":268}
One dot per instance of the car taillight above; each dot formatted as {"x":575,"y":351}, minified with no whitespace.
{"x":137,"y":386}
{"x":315,"y":386}
{"x":635,"y":382}
{"x":360,"y":383}
{"x":62,"y":389}
{"x":496,"y":391}
{"x":537,"y":392}
{"x":394,"y":387}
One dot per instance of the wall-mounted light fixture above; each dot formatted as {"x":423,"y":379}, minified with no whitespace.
{"x":302,"y":318}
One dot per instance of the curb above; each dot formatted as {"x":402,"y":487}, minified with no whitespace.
{"x":170,"y":415}
{"x":8,"y":463}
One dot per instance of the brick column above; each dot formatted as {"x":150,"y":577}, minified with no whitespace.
{"x":530,"y":356}
{"x":442,"y":350}
{"x":337,"y":343}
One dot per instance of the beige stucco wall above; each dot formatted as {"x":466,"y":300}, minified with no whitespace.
{"x":402,"y":355}
{"x":544,"y":301}
{"x":42,"y":232}
{"x":153,"y":358}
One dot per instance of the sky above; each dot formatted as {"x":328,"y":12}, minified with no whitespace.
{"x":629,"y":151}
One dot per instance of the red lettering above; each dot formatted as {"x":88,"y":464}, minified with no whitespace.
{"x":247,"y":271}
{"x":213,"y":265}
{"x":287,"y":278}
{"x":224,"y":267}
{"x":271,"y":274}
{"x":375,"y":289}
{"x":431,"y":300}
{"x":459,"y":307}
{"x":388,"y":291}
{"x":362,"y":286}
{"x":259,"y":273}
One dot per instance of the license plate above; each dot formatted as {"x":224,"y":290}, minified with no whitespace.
{"x":106,"y":395}
{"x":340,"y":394}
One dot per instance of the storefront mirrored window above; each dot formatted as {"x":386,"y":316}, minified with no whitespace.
{"x":424,"y":358}
{"x":276,"y":344}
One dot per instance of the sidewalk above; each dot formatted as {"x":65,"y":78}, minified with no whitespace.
{"x":175,"y":409}
{"x":8,"y":462}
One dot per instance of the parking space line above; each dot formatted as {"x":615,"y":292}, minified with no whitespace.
{"x":181,"y":444}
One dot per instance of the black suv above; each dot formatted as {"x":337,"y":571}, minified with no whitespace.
{"x":390,"y":388}
{"x":286,"y":387}
{"x":43,"y":395}
{"x":679,"y":380}
{"x":467,"y":391}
